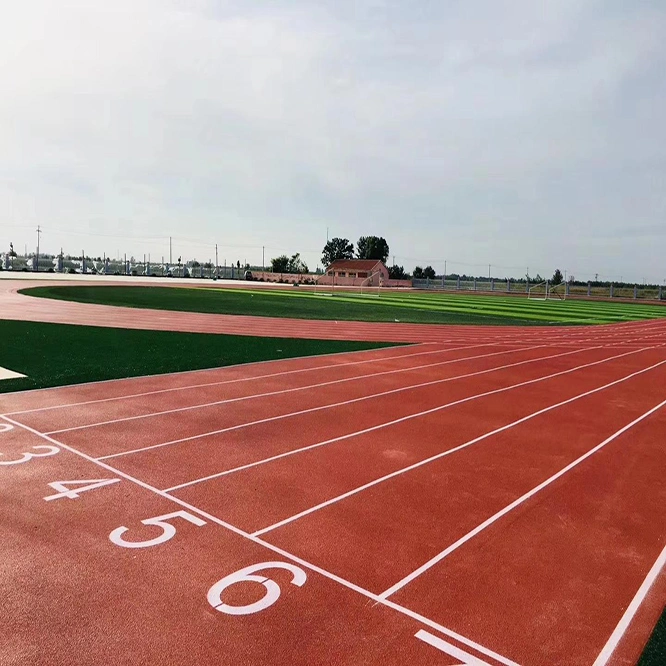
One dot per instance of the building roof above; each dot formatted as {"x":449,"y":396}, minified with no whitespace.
{"x":354,"y":264}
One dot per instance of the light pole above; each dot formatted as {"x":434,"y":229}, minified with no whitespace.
{"x":39,"y":233}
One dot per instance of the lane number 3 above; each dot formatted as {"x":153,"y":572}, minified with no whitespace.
{"x":25,"y":457}
{"x":247,"y":575}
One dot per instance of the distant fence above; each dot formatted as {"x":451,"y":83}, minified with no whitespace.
{"x":573,"y":290}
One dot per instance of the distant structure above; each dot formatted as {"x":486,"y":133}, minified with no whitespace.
{"x":352,"y":272}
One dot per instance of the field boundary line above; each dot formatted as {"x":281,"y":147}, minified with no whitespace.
{"x":240,"y":379}
{"x":350,"y":401}
{"x":516,"y":503}
{"x":448,"y":452}
{"x":287,"y":555}
{"x":268,"y":394}
{"x":632,"y":609}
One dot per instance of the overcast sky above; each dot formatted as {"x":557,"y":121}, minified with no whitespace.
{"x":515,"y":133}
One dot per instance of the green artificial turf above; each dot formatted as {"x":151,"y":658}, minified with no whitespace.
{"x":655,"y":651}
{"x":59,"y":354}
{"x":415,"y":307}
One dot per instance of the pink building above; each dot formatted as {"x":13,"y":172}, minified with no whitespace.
{"x":356,"y":272}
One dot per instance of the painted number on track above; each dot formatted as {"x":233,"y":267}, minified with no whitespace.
{"x":168,"y":530}
{"x":25,"y":457}
{"x":246,"y":575}
{"x":82,"y":486}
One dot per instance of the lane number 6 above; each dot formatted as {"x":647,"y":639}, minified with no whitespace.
{"x":246,"y":575}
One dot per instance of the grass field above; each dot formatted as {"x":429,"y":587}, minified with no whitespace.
{"x":413,"y":307}
{"x":655,"y":651}
{"x":59,"y":354}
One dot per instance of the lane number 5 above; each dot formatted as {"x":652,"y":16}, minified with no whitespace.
{"x":247,"y":575}
{"x":168,"y":530}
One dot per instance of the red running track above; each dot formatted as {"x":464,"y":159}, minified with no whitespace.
{"x":476,"y":502}
{"x":19,"y":306}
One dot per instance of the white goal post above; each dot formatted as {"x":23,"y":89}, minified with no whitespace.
{"x":538,"y":291}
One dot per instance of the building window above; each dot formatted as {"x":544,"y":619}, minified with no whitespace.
{"x":363,"y":275}
{"x":341,"y":274}
{"x":352,"y":275}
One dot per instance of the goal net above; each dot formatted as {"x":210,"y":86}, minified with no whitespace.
{"x":557,"y":292}
{"x":538,"y":291}
{"x":368,"y":288}
{"x":321,"y":286}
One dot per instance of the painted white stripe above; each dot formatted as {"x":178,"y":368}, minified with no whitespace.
{"x":242,"y":379}
{"x":289,"y":390}
{"x":629,"y":614}
{"x":9,"y":374}
{"x":336,"y":404}
{"x":449,"y":452}
{"x":294,"y":558}
{"x":447,"y":648}
{"x":516,"y":503}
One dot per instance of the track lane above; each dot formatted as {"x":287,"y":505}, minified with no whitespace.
{"x":258,"y":441}
{"x":264,"y":386}
{"x":557,"y":576}
{"x":392,"y":389}
{"x":319,"y":474}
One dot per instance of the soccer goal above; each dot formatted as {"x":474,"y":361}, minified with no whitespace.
{"x":538,"y":291}
{"x":323,"y":288}
{"x":370,"y":289}
{"x":557,"y":292}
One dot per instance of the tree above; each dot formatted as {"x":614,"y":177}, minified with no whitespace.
{"x":337,"y":248}
{"x":297,"y":265}
{"x":397,"y":273}
{"x":280,"y":264}
{"x":285,"y":264}
{"x":429,"y":272}
{"x":372,"y":247}
{"x":418,"y":272}
{"x":557,"y":277}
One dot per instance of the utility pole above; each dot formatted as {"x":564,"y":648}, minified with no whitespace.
{"x":327,"y":234}
{"x":489,"y":271}
{"x":39,"y":233}
{"x":170,"y":250}
{"x":263,"y":258}
{"x":444,"y":267}
{"x":217,"y":270}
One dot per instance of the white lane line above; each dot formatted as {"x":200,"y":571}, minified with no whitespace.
{"x":343,"y":403}
{"x":449,"y":452}
{"x":447,"y":648}
{"x":287,"y":555}
{"x":378,"y":427}
{"x":629,"y":614}
{"x":294,"y":389}
{"x":242,"y":379}
{"x":516,"y":503}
